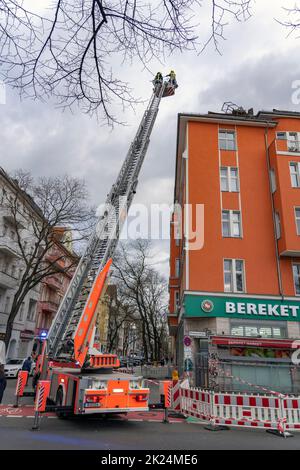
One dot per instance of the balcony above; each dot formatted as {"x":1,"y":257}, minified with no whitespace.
{"x":9,"y":247}
{"x":11,"y":220}
{"x":7,"y":281}
{"x":53,"y":283}
{"x":48,"y":306}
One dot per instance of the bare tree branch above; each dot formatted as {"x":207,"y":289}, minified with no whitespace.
{"x":44,"y":212}
{"x":143,"y":290}
{"x":71,"y":53}
{"x":292,"y":22}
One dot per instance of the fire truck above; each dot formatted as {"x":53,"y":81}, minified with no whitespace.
{"x":82,"y":380}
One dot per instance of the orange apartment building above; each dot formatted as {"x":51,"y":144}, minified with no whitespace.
{"x":234,"y":308}
{"x":54,"y":287}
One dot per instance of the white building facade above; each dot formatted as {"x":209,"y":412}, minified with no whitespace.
{"x":11,"y":268}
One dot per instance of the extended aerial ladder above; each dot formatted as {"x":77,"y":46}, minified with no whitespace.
{"x":68,"y":344}
{"x":102,"y":243}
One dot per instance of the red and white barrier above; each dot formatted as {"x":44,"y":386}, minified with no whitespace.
{"x":277,"y":412}
{"x":176,"y":395}
{"x":246,"y":410}
{"x":291,"y":407}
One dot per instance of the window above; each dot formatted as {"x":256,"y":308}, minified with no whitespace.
{"x":13,"y":270}
{"x":176,"y":300}
{"x":293,"y":142}
{"x":297,"y":217}
{"x":5,"y":266}
{"x":177,"y":267}
{"x":296,"y":273}
{"x":231,"y":224}
{"x":265,"y":330}
{"x":234,"y":275}
{"x":281,"y":135}
{"x":6,"y":306}
{"x":227,"y":140}
{"x":224,"y":179}
{"x":229,"y":179}
{"x":31,"y":310}
{"x":278,"y":225}
{"x":295,"y":174}
{"x":21,"y":312}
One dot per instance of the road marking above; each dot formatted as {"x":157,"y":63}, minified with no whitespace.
{"x":14,"y":416}
{"x":12,"y":411}
{"x":135,"y":420}
{"x":196,"y":422}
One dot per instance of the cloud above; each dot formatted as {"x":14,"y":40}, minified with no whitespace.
{"x":265,"y":84}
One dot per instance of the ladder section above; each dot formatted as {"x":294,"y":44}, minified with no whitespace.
{"x":103,"y":241}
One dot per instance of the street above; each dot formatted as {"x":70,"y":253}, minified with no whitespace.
{"x":119,"y":433}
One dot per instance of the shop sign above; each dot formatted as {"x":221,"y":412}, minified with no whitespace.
{"x":26,"y":334}
{"x":241,"y":307}
{"x":253,"y":342}
{"x":198,"y":334}
{"x":264,"y":309}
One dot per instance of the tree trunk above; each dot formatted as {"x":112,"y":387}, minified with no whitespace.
{"x":18,"y":299}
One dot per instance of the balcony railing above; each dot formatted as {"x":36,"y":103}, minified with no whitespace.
{"x":7,"y":281}
{"x":53,"y":282}
{"x":9,"y":247}
{"x":48,"y":306}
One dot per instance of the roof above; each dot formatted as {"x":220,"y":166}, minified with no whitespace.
{"x":59,"y":231}
{"x":15,"y":187}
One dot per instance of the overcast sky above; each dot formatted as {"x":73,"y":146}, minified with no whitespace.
{"x":257,"y":68}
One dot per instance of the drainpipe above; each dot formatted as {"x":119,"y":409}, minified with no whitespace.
{"x":273,"y":216}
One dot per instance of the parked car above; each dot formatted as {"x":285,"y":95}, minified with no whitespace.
{"x":13,"y":366}
{"x":134,"y":361}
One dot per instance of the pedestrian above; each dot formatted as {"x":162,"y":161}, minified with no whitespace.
{"x":27,"y":365}
{"x":2,"y":382}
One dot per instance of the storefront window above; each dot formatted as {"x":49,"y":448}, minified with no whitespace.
{"x":262,"y":330}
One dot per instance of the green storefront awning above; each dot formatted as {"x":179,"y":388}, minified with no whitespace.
{"x":255,"y":308}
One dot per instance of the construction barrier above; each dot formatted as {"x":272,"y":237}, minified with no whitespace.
{"x":42,"y":393}
{"x":21,"y":383}
{"x":291,"y":407}
{"x":176,"y":395}
{"x":278,"y":412}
